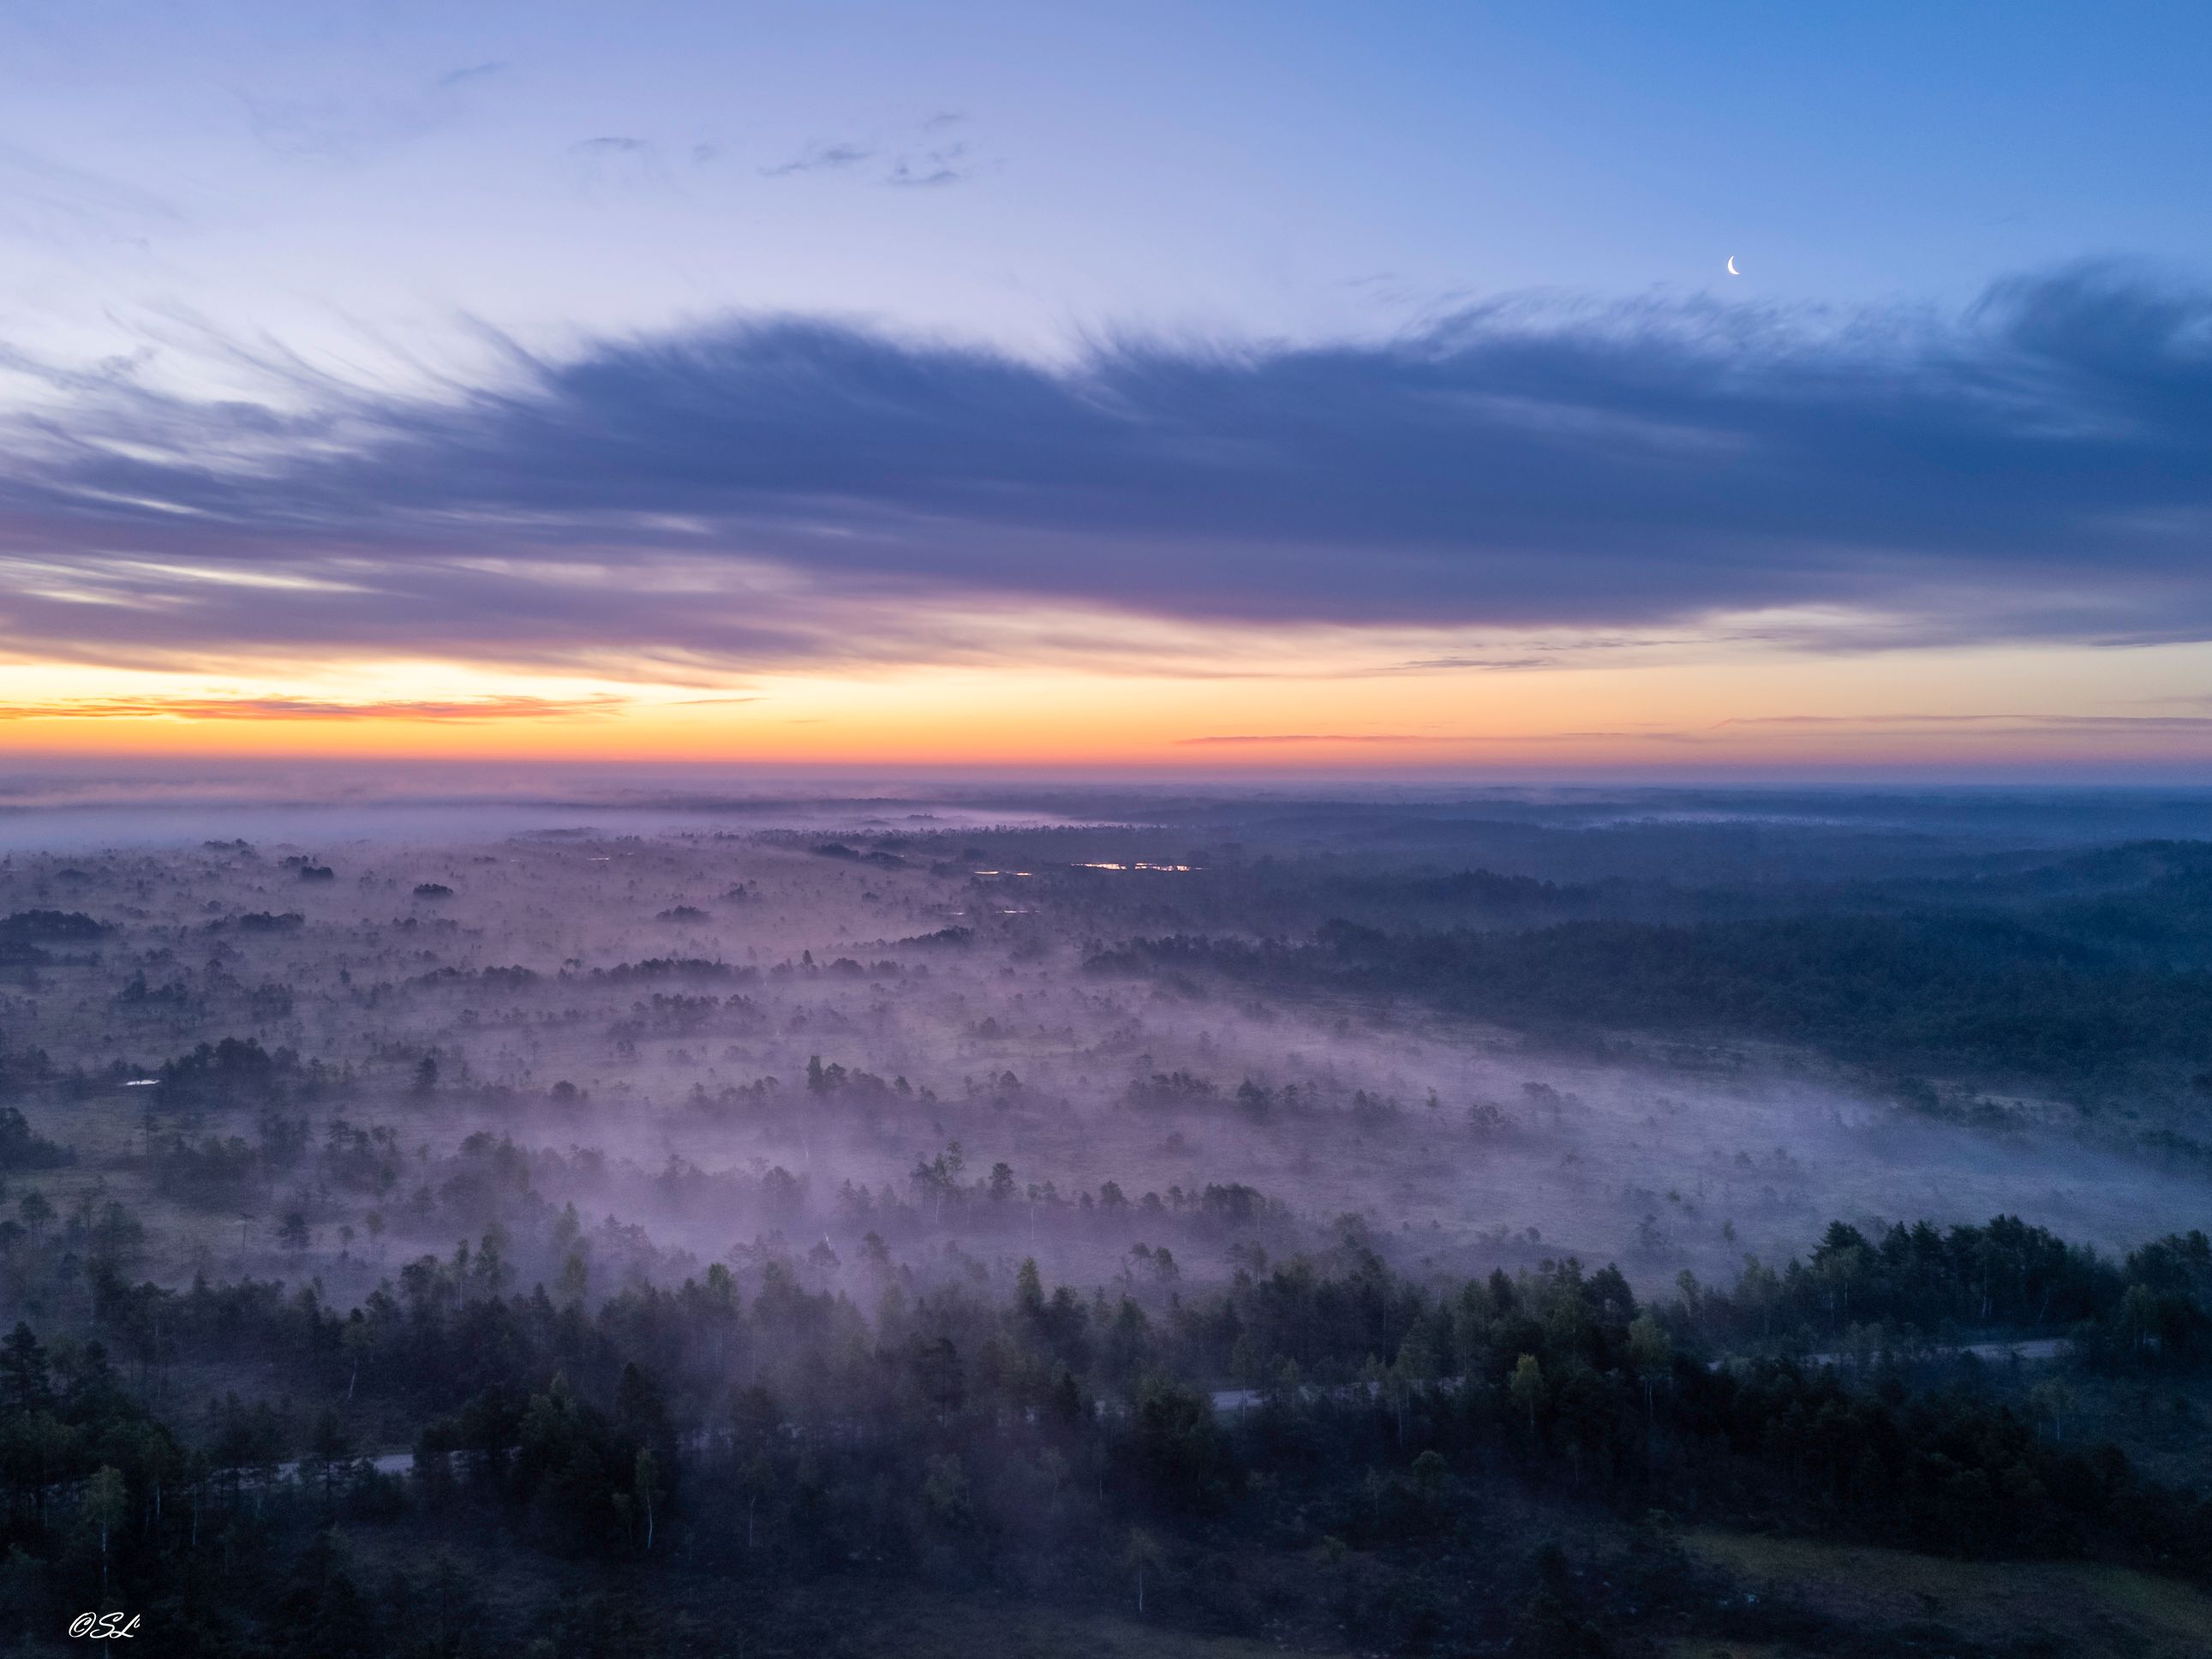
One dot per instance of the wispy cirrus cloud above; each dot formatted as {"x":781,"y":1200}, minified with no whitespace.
{"x":931,"y":168}
{"x":833,"y":157}
{"x":936,"y":161}
{"x":1293,"y":738}
{"x":344,"y":131}
{"x":467,"y":73}
{"x":467,"y":710}
{"x":1494,"y":664}
{"x":63,"y":204}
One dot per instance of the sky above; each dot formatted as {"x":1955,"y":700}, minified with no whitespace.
{"x":1207,"y":389}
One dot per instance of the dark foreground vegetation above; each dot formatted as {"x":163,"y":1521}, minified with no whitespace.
{"x":1323,"y":1452}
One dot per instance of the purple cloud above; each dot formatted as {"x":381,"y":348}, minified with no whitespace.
{"x":2040,"y":467}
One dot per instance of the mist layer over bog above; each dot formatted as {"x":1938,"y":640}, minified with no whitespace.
{"x":1147,"y":1041}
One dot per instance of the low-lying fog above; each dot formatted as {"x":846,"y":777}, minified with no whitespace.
{"x":617,"y":1055}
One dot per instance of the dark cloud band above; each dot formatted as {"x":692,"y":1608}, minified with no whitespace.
{"x":2040,"y":467}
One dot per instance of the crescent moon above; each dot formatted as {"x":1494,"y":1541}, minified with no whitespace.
{"x":1733,"y":271}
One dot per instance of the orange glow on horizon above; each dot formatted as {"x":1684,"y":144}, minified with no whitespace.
{"x":1719,"y":709}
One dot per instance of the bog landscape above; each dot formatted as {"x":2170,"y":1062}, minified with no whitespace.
{"x":1117,"y":1223}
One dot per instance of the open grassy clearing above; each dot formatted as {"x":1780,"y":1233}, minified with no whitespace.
{"x":2072,"y":1608}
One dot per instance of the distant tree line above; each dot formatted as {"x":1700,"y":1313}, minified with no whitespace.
{"x":1977,"y":993}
